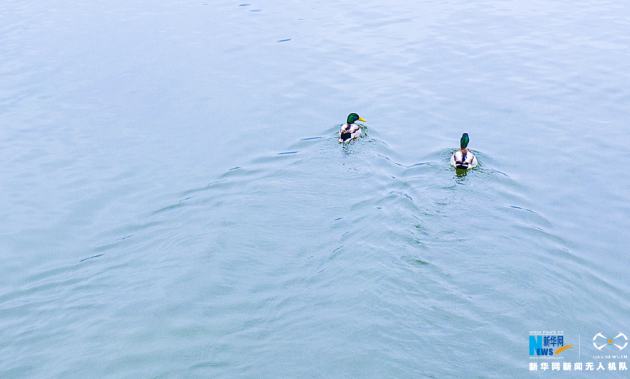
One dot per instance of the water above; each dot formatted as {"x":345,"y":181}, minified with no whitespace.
{"x":175,"y":202}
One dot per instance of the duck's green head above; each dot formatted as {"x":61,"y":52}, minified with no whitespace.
{"x":352,"y":117}
{"x":464,"y":141}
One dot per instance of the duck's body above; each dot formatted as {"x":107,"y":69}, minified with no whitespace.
{"x":463,"y":158}
{"x":350,"y":130}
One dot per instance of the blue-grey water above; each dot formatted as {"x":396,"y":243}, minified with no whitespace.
{"x":174,"y":202}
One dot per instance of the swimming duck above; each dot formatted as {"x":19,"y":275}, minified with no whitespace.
{"x":463,"y":158}
{"x":350,"y":130}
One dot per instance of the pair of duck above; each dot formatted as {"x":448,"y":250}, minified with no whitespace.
{"x":463,"y":158}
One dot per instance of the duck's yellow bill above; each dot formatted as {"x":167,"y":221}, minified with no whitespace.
{"x":360,"y":119}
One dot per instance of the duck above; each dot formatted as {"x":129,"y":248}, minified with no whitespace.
{"x":463,"y":158}
{"x":350,"y":130}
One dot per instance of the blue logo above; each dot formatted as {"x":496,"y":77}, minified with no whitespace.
{"x":548,"y":344}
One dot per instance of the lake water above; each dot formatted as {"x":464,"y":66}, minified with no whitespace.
{"x":174,"y":201}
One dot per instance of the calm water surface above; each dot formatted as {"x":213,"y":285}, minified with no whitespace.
{"x":174,"y":201}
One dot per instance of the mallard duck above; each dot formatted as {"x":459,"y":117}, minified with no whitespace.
{"x":350,"y":130}
{"x":463,"y":158}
